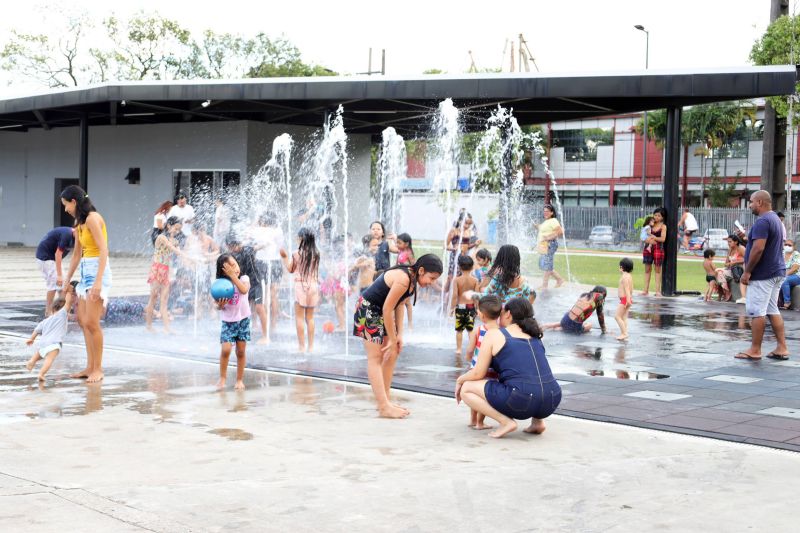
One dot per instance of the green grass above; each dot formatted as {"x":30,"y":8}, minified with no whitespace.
{"x":593,"y":270}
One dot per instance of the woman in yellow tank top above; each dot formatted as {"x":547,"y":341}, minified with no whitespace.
{"x":91,"y":256}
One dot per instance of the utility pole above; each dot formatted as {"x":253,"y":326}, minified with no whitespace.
{"x":369,"y":71}
{"x":644,"y":130}
{"x":472,"y":67}
{"x":526,"y":54}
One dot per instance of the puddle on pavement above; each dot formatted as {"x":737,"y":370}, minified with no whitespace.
{"x":232,"y":433}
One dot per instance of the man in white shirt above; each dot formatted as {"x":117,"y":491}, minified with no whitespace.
{"x":690,"y":227}
{"x":184,"y":212}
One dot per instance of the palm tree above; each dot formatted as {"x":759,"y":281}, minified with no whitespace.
{"x":709,"y":125}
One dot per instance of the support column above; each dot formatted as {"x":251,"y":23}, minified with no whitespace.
{"x":672,"y":154}
{"x":83,"y":158}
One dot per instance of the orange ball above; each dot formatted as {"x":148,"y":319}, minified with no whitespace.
{"x":328,"y":326}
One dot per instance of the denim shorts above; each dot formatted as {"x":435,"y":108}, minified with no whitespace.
{"x":235,"y":331}
{"x":762,"y":297}
{"x":88,"y":271}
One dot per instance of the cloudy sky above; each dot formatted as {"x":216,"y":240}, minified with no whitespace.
{"x":577,"y":35}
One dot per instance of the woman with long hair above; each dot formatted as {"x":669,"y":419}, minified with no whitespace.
{"x":378,"y":320}
{"x":653,"y":253}
{"x":304,"y":263}
{"x":159,"y":220}
{"x":526,"y":387}
{"x":91,"y":254}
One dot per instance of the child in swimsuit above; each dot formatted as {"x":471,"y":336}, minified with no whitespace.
{"x":574,"y":320}
{"x":711,"y":274}
{"x":625,"y":297}
{"x":489,"y":309}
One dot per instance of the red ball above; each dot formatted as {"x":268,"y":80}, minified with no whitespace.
{"x":328,"y":327}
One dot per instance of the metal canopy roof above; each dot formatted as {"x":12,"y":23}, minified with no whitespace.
{"x":373,"y":103}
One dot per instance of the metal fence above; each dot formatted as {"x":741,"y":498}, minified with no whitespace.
{"x":578,"y":221}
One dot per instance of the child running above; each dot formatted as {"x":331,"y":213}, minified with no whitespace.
{"x":711,"y":274}
{"x":235,"y":315}
{"x":462,"y":305}
{"x":625,"y":297}
{"x":304,"y":263}
{"x":52,"y":330}
{"x":406,"y":257}
{"x":489,"y":309}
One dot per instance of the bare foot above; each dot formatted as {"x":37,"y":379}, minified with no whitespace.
{"x":536,"y":428}
{"x":81,"y":375}
{"x":41,"y":377}
{"x":657,"y":295}
{"x":95,"y":377}
{"x":301,"y":349}
{"x":504,"y":429}
{"x":559,"y":284}
{"x":622,"y":337}
{"x":168,"y":331}
{"x":390,"y":411}
{"x":239,"y":385}
{"x":220,"y":384}
{"x":263,"y":340}
{"x":397,"y":406}
{"x":31,"y":362}
{"x":481,"y":426}
{"x":150,"y":329}
{"x":644,"y":293}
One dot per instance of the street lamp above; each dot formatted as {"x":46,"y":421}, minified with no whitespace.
{"x":644,"y":130}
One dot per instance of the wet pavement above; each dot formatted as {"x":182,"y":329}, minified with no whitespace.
{"x":677,"y":373}
{"x":156,"y":448}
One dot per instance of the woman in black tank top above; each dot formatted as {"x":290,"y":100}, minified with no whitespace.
{"x":379,"y":321}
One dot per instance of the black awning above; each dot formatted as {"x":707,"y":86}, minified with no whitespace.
{"x":373,"y":103}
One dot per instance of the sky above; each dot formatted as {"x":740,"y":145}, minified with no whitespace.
{"x":563,"y":36}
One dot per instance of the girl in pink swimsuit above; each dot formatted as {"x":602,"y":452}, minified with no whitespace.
{"x":304,"y":263}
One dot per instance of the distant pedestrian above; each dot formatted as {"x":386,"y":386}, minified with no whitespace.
{"x":689,"y":225}
{"x":160,"y":221}
{"x":549,"y":232}
{"x":764,"y":271}
{"x":52,"y":249}
{"x":653,"y":252}
{"x":184,"y":212}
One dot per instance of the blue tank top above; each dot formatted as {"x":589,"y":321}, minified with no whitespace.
{"x":523,"y":361}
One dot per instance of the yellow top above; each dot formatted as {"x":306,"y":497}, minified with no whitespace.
{"x":89,"y":248}
{"x":546,"y":230}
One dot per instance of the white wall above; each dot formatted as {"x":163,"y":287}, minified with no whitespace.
{"x":424,"y":218}
{"x":32,"y":161}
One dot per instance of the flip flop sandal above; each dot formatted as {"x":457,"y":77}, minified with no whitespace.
{"x":747,"y":357}
{"x":778,"y":356}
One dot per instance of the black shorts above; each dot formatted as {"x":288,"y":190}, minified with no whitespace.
{"x":256,"y":294}
{"x":465,"y":318}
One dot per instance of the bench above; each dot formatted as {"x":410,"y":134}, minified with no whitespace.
{"x":736,"y":293}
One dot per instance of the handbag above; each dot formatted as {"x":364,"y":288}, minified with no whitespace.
{"x":736,"y":272}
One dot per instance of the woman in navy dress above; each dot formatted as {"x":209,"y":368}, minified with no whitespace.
{"x":526,"y":387}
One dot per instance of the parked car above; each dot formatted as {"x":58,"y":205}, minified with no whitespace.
{"x":603,"y":236}
{"x":716,"y":238}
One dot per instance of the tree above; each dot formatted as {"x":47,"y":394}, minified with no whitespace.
{"x":780,"y":45}
{"x":434,"y":71}
{"x":147,"y":46}
{"x":60,"y":61}
{"x":711,"y":126}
